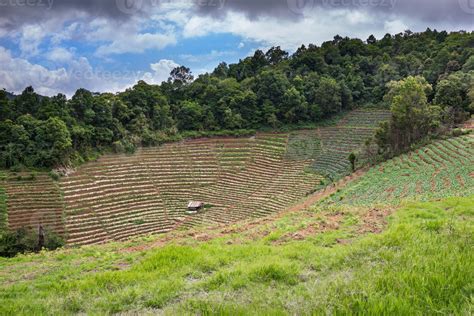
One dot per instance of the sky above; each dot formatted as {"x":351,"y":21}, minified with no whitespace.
{"x":59,"y":46}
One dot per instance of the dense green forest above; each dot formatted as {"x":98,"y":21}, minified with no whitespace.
{"x":426,"y":78}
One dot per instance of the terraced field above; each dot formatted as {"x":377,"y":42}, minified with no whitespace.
{"x":444,"y":168}
{"x":329,"y":148}
{"x":33,"y":202}
{"x":121,"y":196}
{"x":3,"y":205}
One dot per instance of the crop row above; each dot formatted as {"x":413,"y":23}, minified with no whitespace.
{"x":329,"y":147}
{"x":122,"y":196}
{"x":34,"y":202}
{"x":444,"y":168}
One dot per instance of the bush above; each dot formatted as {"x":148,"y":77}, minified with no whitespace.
{"x":54,"y":175}
{"x":17,"y":168}
{"x":33,"y":176}
{"x":460,"y":132}
{"x":26,"y":240}
{"x":124,"y":146}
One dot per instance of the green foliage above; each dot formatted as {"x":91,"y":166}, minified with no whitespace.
{"x":54,"y":175}
{"x":453,"y":96}
{"x":25,"y":240}
{"x":412,"y":117}
{"x":328,"y":96}
{"x":267,"y":90}
{"x":353,"y":159}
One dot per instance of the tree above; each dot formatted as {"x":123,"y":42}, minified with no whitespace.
{"x":294,"y":106}
{"x":469,"y":64}
{"x":411,"y":116}
{"x":452,"y":95}
{"x":181,"y":75}
{"x":221,"y":71}
{"x":353,"y":160}
{"x":190,"y":116}
{"x":262,"y":90}
{"x":271,"y":86}
{"x":5,"y":107}
{"x":328,"y":96}
{"x":53,"y":142}
{"x":27,"y":103}
{"x":371,"y":40}
{"x":276,"y":55}
{"x":56,"y":106}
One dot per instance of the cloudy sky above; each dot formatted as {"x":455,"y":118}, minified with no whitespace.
{"x":108,"y":45}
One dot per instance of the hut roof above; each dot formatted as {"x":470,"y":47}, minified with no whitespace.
{"x":194,"y":204}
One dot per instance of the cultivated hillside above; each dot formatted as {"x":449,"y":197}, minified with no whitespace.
{"x":442,"y":169}
{"x":121,"y":196}
{"x":345,"y":255}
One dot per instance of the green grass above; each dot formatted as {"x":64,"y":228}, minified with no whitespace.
{"x":421,"y":264}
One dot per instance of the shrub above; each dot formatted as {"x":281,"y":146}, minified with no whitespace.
{"x":26,"y":240}
{"x":124,"y":146}
{"x":54,"y":175}
{"x":460,"y":132}
{"x":17,"y":168}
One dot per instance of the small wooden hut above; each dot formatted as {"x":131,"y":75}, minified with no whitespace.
{"x":195,"y":207}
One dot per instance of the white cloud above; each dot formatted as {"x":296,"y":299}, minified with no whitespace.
{"x":31,"y":38}
{"x":317,"y":28}
{"x":214,"y":55}
{"x":161,"y":71}
{"x":60,"y":54}
{"x":137,"y":43}
{"x":395,"y":26}
{"x":18,"y":73}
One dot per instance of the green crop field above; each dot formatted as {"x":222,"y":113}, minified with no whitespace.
{"x":442,"y":169}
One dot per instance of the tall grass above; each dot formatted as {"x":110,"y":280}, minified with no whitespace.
{"x":421,"y":264}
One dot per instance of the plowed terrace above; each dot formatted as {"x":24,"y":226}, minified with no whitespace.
{"x":121,"y":196}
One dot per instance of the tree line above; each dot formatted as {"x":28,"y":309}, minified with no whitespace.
{"x":429,"y":75}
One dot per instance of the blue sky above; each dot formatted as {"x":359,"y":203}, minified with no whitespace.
{"x":108,"y":45}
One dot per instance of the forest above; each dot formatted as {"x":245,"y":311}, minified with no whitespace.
{"x":426,"y":79}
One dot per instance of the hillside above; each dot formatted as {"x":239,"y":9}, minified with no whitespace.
{"x":122,"y":196}
{"x":392,"y":257}
{"x":3,"y":206}
{"x":442,"y":169}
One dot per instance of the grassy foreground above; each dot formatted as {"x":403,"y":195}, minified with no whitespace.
{"x":337,"y":260}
